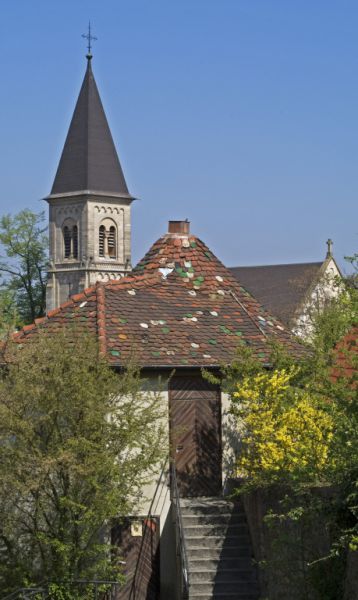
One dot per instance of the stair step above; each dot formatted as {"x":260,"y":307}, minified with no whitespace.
{"x":211,"y":510}
{"x":224,"y":596}
{"x":190,"y":519}
{"x":216,"y":530}
{"x":224,"y":587}
{"x":231,"y":576}
{"x":206,"y":507}
{"x":210,"y":563}
{"x":219,"y":550}
{"x":219,"y":505}
{"x":217,"y":541}
{"x":207,"y":500}
{"x":198,"y":551}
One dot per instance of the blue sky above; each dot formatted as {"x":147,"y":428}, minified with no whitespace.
{"x":240,"y":115}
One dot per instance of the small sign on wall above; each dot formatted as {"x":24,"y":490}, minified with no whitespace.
{"x":136,"y":529}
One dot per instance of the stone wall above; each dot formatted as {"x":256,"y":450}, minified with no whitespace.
{"x":290,"y":552}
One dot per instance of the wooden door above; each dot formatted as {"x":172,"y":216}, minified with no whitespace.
{"x":195,"y":425}
{"x":137,"y":539}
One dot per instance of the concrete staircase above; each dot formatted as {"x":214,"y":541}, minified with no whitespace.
{"x":219,"y":550}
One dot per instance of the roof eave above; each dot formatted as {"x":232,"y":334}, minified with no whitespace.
{"x":64,"y":195}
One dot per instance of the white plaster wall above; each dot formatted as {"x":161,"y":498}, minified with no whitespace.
{"x":156,"y":502}
{"x":230,"y":440}
{"x":325,"y":289}
{"x":156,"y":494}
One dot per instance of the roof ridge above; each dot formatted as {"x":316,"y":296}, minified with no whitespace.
{"x":278,"y":265}
{"x":86,"y":157}
{"x":101,"y":318}
{"x":248,"y":313}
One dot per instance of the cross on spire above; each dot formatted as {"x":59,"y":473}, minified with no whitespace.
{"x":90,"y":38}
{"x":329,"y":243}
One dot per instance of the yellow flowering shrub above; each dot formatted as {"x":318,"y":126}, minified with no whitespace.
{"x":285,"y":432}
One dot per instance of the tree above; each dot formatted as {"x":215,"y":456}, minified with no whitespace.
{"x":9,"y":317}
{"x":298,"y":424}
{"x":298,"y":419}
{"x":22,"y":269}
{"x":78,"y":441}
{"x":287,"y":430}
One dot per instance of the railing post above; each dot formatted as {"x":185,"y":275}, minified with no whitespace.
{"x":179,"y":530}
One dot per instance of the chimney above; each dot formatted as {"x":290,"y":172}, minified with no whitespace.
{"x":179,"y":227}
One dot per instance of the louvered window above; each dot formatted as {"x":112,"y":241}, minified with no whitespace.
{"x":67,"y":241}
{"x":75,"y":241}
{"x":107,"y":239}
{"x":101,"y":240}
{"x":112,"y":242}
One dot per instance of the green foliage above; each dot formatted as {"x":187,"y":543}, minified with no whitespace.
{"x":286,"y":431}
{"x":79,"y":591}
{"x":331,"y":324}
{"x":9,"y":317}
{"x":78,"y":442}
{"x":272,"y":427}
{"x":22,"y":269}
{"x":353,"y":260}
{"x":297,"y":538}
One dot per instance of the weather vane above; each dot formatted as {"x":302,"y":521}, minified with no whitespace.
{"x":90,"y":38}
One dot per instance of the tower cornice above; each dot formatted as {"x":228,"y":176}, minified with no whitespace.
{"x":127,"y":198}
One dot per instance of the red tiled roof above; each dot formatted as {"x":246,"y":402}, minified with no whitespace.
{"x":346,"y":357}
{"x":179,"y":307}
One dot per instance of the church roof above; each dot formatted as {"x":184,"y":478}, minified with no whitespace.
{"x":281,"y":289}
{"x":180,"y":307}
{"x":89,"y":159}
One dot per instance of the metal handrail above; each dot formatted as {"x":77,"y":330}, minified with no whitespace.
{"x":44,"y":592}
{"x":26,"y":593}
{"x":181,"y":544}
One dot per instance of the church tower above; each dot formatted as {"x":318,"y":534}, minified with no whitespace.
{"x":90,"y":219}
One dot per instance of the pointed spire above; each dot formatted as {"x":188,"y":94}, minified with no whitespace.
{"x":89,"y":159}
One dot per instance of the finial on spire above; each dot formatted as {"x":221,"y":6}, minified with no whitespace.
{"x":329,"y":243}
{"x":90,"y":38}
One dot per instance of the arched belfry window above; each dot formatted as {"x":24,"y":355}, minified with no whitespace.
{"x":75,"y":241}
{"x":67,"y":241}
{"x":102,"y":232}
{"x":70,"y":240}
{"x":112,"y":242}
{"x":107,"y":239}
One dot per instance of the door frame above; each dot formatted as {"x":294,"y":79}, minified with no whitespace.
{"x":196,"y":375}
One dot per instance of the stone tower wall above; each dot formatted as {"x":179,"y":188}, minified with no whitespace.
{"x":68,"y":276}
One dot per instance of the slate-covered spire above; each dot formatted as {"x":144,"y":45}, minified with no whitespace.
{"x":89,"y":159}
